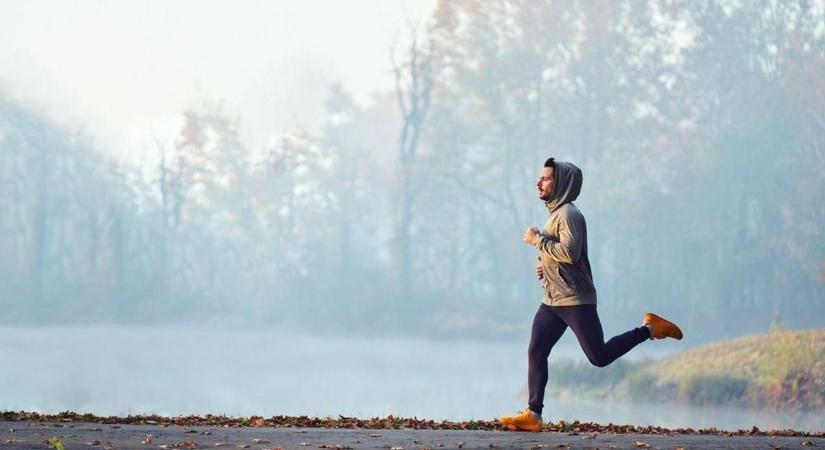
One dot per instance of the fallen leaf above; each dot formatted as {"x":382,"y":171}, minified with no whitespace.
{"x":95,"y":442}
{"x":375,"y":435}
{"x":260,"y":441}
{"x":257,"y":422}
{"x":807,"y":444}
{"x":58,"y":445}
{"x":641,"y":444}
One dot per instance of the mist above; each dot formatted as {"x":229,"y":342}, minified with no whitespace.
{"x":383,"y":240}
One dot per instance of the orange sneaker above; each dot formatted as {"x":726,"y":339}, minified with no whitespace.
{"x":662,"y":328}
{"x":526,"y":420}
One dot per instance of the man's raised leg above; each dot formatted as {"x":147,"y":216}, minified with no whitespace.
{"x":585,"y":323}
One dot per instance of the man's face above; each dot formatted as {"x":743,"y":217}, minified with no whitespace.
{"x":545,"y":183}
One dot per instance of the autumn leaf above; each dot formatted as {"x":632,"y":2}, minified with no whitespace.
{"x":56,"y":443}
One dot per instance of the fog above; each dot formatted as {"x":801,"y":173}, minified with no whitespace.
{"x":368,"y":260}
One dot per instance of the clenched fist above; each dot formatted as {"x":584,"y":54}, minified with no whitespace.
{"x":530,"y":235}
{"x":539,"y":271}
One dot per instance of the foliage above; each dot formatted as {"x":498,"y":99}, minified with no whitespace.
{"x":376,"y":423}
{"x":581,"y":374}
{"x":782,"y":369}
{"x":56,"y":443}
{"x":700,"y":127}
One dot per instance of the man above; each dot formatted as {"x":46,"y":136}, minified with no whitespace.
{"x":569,"y":294}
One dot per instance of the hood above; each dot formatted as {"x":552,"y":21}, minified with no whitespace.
{"x":567,"y":186}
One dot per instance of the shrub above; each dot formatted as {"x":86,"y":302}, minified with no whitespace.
{"x":714,"y":390}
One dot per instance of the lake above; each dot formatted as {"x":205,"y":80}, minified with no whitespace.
{"x":109,"y":370}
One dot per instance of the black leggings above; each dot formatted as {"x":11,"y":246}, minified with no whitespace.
{"x":551,"y":322}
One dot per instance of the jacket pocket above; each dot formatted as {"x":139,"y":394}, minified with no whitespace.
{"x":566,"y":275}
{"x":559,"y":281}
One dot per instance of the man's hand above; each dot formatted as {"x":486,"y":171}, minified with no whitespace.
{"x":539,"y":271}
{"x":530,"y":235}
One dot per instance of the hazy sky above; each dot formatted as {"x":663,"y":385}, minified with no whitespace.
{"x":123,"y":71}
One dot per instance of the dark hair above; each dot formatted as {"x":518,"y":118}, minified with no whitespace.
{"x":550,"y":163}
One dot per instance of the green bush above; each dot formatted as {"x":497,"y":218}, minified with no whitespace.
{"x":714,"y":390}
{"x":641,"y":387}
{"x":566,"y":373}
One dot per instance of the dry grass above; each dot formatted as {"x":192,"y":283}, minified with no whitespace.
{"x":782,"y":369}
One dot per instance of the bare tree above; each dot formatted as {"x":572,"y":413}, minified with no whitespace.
{"x":414,"y":80}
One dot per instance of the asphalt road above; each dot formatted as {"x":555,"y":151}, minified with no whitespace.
{"x":77,"y":435}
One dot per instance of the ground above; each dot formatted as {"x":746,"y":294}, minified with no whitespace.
{"x":91,"y":435}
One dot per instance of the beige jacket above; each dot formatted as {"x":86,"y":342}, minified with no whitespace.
{"x":562,"y":245}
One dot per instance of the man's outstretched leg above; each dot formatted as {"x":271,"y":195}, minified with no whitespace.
{"x":548,"y":327}
{"x":585,"y":323}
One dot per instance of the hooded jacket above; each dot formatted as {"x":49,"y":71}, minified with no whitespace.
{"x":562,"y":244}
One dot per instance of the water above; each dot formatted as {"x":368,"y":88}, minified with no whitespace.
{"x":181,"y":371}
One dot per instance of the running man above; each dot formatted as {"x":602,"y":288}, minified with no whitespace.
{"x":569,"y":294}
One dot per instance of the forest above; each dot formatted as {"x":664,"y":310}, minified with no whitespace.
{"x":699,"y":126}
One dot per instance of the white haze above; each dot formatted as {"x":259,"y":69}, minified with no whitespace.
{"x":118,"y":69}
{"x":185,"y":370}
{"x":334,"y":274}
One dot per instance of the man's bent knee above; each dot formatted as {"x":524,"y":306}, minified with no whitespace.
{"x":600,"y":361}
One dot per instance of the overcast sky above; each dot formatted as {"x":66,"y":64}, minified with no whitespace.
{"x":123,"y":71}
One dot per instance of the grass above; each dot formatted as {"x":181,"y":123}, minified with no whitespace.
{"x":781,"y":369}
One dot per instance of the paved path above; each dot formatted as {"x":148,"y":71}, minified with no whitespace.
{"x":83,"y":435}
